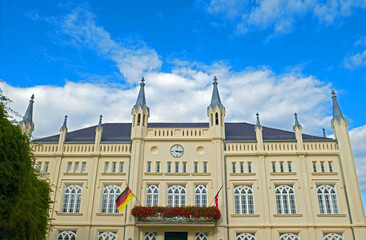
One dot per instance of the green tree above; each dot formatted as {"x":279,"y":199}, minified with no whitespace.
{"x":24,"y":197}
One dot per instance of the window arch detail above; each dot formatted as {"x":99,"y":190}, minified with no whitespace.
{"x":107,"y":235}
{"x":201,"y":236}
{"x":285,"y":199}
{"x":152,"y":195}
{"x":176,"y":196}
{"x":289,"y":236}
{"x":201,"y":195}
{"x":243,"y":200}
{"x":110,"y":194}
{"x":327,"y":198}
{"x":245,"y":236}
{"x":150,"y":236}
{"x":66,"y":235}
{"x":333,"y":236}
{"x":72,"y":199}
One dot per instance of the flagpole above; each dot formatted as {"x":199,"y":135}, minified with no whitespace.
{"x":216,"y":194}
{"x":135,"y":196}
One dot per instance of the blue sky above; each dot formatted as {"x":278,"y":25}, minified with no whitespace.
{"x":271,"y":57}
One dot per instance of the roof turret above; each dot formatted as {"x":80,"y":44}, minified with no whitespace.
{"x":64,"y":125}
{"x":297,"y":124}
{"x":215,"y":100}
{"x":141,"y":100}
{"x":337,"y":114}
{"x":28,"y":116}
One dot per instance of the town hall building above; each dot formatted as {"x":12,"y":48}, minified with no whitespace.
{"x":275,"y":184}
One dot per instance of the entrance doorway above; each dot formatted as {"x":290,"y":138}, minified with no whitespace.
{"x":176,"y":236}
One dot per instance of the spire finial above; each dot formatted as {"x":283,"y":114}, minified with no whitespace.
{"x":215,"y":100}
{"x":141,"y":100}
{"x":100,"y":122}
{"x":324,"y":135}
{"x":32,"y":97}
{"x":28,"y":116}
{"x":64,"y":126}
{"x":337,"y":114}
{"x":258,"y":122}
{"x":297,"y":124}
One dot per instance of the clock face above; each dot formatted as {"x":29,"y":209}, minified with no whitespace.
{"x":176,"y":151}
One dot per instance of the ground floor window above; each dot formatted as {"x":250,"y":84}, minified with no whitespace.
{"x":333,"y":236}
{"x":150,"y":236}
{"x":289,"y":236}
{"x":107,"y":235}
{"x":245,"y":236}
{"x":66,"y":235}
{"x":201,"y":236}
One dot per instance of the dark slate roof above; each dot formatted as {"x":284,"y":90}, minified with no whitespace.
{"x":121,"y":132}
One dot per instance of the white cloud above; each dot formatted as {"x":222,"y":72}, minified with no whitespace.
{"x":281,"y":14}
{"x":133,"y":59}
{"x":358,"y":140}
{"x":356,"y":60}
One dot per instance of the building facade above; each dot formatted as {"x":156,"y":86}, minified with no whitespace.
{"x":276,"y":184}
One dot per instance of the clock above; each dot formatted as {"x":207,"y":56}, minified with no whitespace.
{"x":176,"y":151}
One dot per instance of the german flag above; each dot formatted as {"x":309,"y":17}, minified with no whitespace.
{"x":124,"y":198}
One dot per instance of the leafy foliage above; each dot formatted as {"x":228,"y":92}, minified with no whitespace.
{"x":24,"y":198}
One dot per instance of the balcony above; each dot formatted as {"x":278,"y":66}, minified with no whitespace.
{"x":163,"y":216}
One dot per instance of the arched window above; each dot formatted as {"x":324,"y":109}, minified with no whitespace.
{"x":201,"y":236}
{"x":72,"y":199}
{"x":285,"y":199}
{"x":201,"y":195}
{"x":222,"y":119}
{"x":138,"y":119}
{"x":216,"y":118}
{"x":289,"y":236}
{"x":245,"y":236}
{"x":333,"y":236}
{"x":243,"y":196}
{"x":212,"y":119}
{"x":176,"y":196}
{"x":107,"y":236}
{"x":66,"y":235}
{"x":152,"y":195}
{"x":143,"y":120}
{"x":327,"y":198}
{"x":110,"y":194}
{"x":134,"y":119}
{"x":150,"y":236}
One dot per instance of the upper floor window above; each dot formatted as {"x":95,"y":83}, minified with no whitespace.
{"x":241,"y":167}
{"x":234,"y":167}
{"x":289,"y":236}
{"x":106,"y":167}
{"x":66,"y":235}
{"x":150,"y":236}
{"x":169,"y":167}
{"x":330,"y":166}
{"x":327,"y":198}
{"x":285,"y":199}
{"x":249,"y":167}
{"x":177,"y":167}
{"x":110,"y":194}
{"x":121,"y":165}
{"x":205,"y":167}
{"x":322,"y":166}
{"x":152,"y":195}
{"x":196,"y":167}
{"x":157,"y":167}
{"x":148,"y":167}
{"x":114,"y":167}
{"x":76,"y":168}
{"x":184,"y":167}
{"x":107,"y":235}
{"x":281,"y":167}
{"x":289,"y":165}
{"x":46,"y":167}
{"x":201,"y":236}
{"x":176,"y":196}
{"x":245,"y":236}
{"x":72,"y":199}
{"x":201,"y":195}
{"x":243,"y":197}
{"x":333,"y":236}
{"x":83,"y":167}
{"x":69,"y":164}
{"x":314,"y":167}
{"x":273,"y":167}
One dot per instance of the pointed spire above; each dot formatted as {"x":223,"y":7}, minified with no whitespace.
{"x":100,"y":122}
{"x":258,"y":122}
{"x":297,"y":124}
{"x":337,"y":114}
{"x":215,"y":100}
{"x":64,"y":126}
{"x":28,"y":116}
{"x":324,"y":135}
{"x":141,"y":100}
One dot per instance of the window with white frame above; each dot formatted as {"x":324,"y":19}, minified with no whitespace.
{"x":72,"y":199}
{"x":152,"y":195}
{"x":243,"y":198}
{"x":107,"y":235}
{"x":289,"y":236}
{"x":327,"y":198}
{"x":176,"y":196}
{"x":110,"y":194}
{"x":201,"y":236}
{"x":333,"y":236}
{"x":201,"y":195}
{"x":66,"y":235}
{"x":285,"y":199}
{"x":150,"y":236}
{"x":245,"y":236}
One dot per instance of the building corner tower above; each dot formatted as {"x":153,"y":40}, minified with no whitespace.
{"x":27,"y":125}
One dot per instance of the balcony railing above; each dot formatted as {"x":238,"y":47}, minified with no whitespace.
{"x":171,"y":215}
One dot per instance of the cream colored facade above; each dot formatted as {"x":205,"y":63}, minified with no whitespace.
{"x":294,"y":162}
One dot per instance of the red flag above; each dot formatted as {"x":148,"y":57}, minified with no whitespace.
{"x":216,"y":202}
